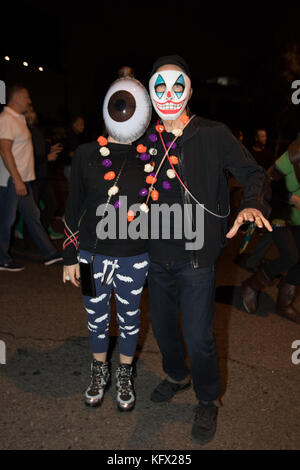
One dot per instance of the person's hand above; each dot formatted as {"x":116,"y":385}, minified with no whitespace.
{"x":56,"y":147}
{"x":20,"y":187}
{"x":249,"y":215}
{"x":295,"y":200}
{"x":72,"y":272}
{"x":52,"y":156}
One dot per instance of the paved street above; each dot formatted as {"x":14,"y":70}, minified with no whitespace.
{"x":48,"y":364}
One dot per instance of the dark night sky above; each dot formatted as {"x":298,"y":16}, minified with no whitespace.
{"x":214,"y":40}
{"x":87,"y":42}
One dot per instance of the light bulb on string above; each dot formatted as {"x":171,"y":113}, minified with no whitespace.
{"x":7,"y":58}
{"x":25,"y":64}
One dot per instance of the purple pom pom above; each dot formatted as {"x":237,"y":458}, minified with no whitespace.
{"x":153,"y":173}
{"x":145,"y":157}
{"x":118,"y":204}
{"x":153,"y":137}
{"x":174,"y":146}
{"x":107,"y":163}
{"x":143,"y":192}
{"x":166,"y":185}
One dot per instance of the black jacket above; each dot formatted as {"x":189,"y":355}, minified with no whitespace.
{"x":207,"y":152}
{"x":88,"y":190}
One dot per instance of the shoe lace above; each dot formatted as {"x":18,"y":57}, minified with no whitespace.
{"x":124,"y":378}
{"x":99,"y":377}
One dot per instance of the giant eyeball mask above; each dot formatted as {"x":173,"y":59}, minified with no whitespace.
{"x":126,"y":110}
{"x":170,"y":93}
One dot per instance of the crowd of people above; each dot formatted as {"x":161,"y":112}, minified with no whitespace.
{"x":184,"y":159}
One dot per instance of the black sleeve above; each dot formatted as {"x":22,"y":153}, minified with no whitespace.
{"x":73,"y":212}
{"x":253,"y":178}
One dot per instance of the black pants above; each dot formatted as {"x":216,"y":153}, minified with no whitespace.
{"x":178,"y":285}
{"x":287,"y":240}
{"x":42,"y":191}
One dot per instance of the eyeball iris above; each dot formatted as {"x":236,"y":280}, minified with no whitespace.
{"x":121,"y":106}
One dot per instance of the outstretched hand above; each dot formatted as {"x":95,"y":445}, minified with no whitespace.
{"x":249,"y":215}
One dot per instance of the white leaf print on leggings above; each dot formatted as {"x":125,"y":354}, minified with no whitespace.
{"x":123,"y":301}
{"x":140,"y":265}
{"x":98,"y":299}
{"x":137,"y":291}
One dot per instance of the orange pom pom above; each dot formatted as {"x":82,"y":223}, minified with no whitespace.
{"x":153,"y":164}
{"x":141,"y":148}
{"x":130,"y":216}
{"x":102,"y":140}
{"x":184,"y":118}
{"x":155,"y":195}
{"x":110,"y":175}
{"x":159,"y":128}
{"x":174,"y":160}
{"x":151,"y":179}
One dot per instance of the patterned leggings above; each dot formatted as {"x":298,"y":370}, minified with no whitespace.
{"x":126,"y":276}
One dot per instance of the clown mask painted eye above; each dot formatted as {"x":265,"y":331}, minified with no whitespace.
{"x":160,"y":86}
{"x":126,"y":110}
{"x":179,"y":87}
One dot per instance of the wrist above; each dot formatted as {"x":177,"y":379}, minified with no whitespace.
{"x":17,"y":179}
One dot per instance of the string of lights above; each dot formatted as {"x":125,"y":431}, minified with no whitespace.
{"x":25,"y":64}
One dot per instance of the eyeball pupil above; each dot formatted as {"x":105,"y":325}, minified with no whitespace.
{"x":121,"y":106}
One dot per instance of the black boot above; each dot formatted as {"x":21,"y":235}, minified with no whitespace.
{"x":251,"y":289}
{"x":285,"y":301}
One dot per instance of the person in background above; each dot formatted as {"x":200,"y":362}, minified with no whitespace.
{"x":238,"y":134}
{"x":126,"y":71}
{"x":285,"y":216}
{"x":260,"y":150}
{"x":42,"y":189}
{"x":74,"y":138}
{"x":16,"y":173}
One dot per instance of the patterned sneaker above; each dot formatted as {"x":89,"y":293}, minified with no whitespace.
{"x":100,"y":380}
{"x":125,"y":391}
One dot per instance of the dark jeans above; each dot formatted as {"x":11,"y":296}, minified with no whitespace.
{"x":9,"y":203}
{"x":179,"y":285}
{"x":42,"y":190}
{"x":287,"y":240}
{"x":254,"y":260}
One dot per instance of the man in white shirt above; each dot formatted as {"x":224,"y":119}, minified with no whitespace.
{"x":16,"y":172}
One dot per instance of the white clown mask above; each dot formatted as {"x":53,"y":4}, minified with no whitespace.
{"x":170,"y":93}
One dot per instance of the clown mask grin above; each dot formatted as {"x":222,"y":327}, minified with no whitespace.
{"x":169,"y":107}
{"x":170,"y":93}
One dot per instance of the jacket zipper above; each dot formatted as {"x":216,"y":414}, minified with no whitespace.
{"x":81,"y":218}
{"x":186,"y":198}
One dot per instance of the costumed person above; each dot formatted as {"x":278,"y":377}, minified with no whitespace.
{"x":103,"y":172}
{"x":285,"y":216}
{"x":197,"y":152}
